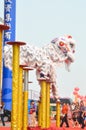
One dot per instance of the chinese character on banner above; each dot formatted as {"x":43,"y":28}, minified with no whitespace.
{"x":8,"y":35}
{"x":8,"y":1}
{"x":8,"y":17}
{"x":8,"y":7}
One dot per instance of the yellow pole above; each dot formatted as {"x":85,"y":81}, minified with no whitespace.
{"x":39,"y":113}
{"x":25,"y":111}
{"x":2,"y":27}
{"x":15,"y":81}
{"x":48,"y":105}
{"x":25,"y":103}
{"x":14,"y":120}
{"x":26,"y":95}
{"x":58,"y":113}
{"x":20,"y":97}
{"x":43,"y":103}
{"x":40,"y":110}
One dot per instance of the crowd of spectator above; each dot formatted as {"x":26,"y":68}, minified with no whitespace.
{"x":74,"y":113}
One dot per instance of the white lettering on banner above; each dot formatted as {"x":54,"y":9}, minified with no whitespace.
{"x":8,"y":18}
{"x":7,"y":35}
{"x":8,"y":7}
{"x":10,"y":1}
{"x":9,"y":24}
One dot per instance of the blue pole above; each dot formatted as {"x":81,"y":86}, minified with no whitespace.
{"x":9,"y":35}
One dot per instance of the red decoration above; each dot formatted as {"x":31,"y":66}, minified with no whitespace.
{"x":78,"y":96}
{"x":85,"y":97}
{"x":76,"y":89}
{"x":75,"y":93}
{"x":81,"y":97}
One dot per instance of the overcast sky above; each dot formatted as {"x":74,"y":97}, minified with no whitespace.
{"x":40,"y":21}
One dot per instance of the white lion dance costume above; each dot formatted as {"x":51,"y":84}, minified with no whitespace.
{"x":45,"y":59}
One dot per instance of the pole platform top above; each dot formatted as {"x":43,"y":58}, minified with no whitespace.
{"x":16,"y":42}
{"x":49,"y":81}
{"x":4,"y":27}
{"x":28,"y":68}
{"x":22,"y":65}
{"x":41,"y":79}
{"x":30,"y":82}
{"x":44,"y":79}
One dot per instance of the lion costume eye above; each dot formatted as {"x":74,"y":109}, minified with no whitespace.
{"x":61,"y":43}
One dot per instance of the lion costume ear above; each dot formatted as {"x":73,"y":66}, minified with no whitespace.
{"x":54,"y":40}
